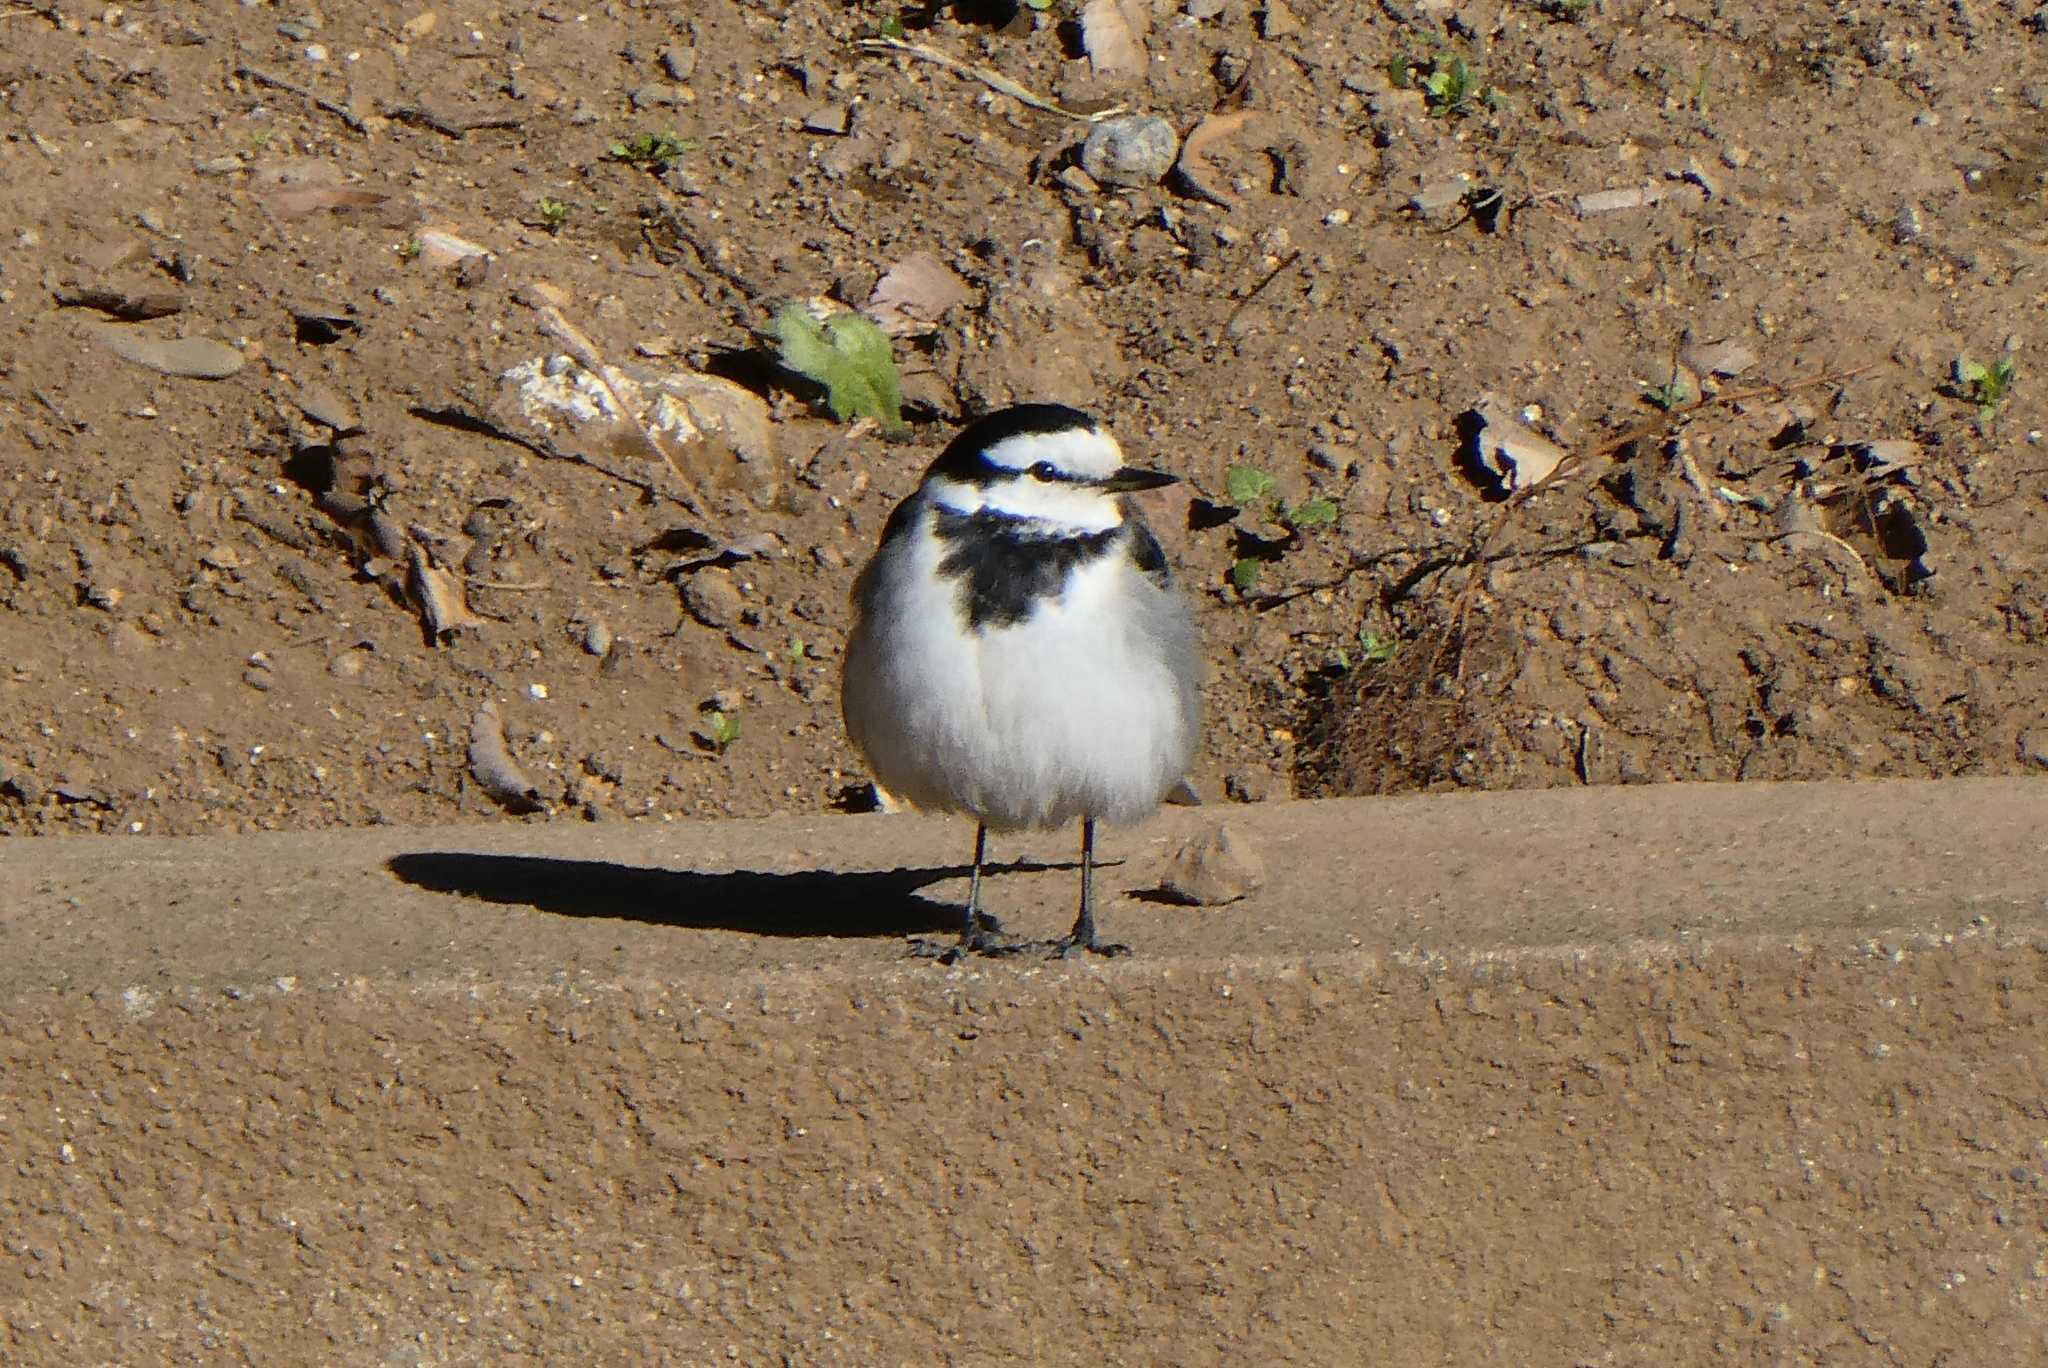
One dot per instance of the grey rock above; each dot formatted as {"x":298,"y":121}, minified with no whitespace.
{"x":1133,"y":150}
{"x":1213,"y":869}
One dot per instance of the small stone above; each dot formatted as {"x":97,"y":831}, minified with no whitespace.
{"x":1277,"y":21}
{"x":1132,"y":150}
{"x":1338,"y":460}
{"x":1213,"y":869}
{"x":713,"y":599}
{"x":1074,"y":178}
{"x":1907,"y":223}
{"x":679,"y":62}
{"x":1253,"y":786}
{"x":2033,"y":747}
{"x":1201,"y":10}
{"x":597,"y":638}
{"x":1441,"y":192}
{"x":221,"y":558}
{"x":219,"y":166}
{"x":831,"y":118}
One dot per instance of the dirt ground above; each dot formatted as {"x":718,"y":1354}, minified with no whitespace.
{"x":1834,"y":569}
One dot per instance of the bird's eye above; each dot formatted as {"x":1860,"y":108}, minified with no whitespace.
{"x":1045,"y":470}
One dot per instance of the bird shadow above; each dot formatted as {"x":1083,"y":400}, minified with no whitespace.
{"x":813,"y":903}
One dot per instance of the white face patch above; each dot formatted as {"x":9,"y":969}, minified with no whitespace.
{"x":1077,"y":451}
{"x":1073,"y":508}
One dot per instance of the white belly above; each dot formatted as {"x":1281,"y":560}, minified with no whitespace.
{"x":1088,"y":708}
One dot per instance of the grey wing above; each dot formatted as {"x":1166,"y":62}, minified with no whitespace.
{"x":1146,"y":553}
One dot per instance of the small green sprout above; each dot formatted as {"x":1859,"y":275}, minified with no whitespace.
{"x":1676,"y":395}
{"x":892,"y":27}
{"x":553,"y":213}
{"x":409,"y":249}
{"x":1040,"y":5}
{"x":1248,"y":487}
{"x":260,"y":139}
{"x":1374,"y":649}
{"x":1986,"y":386}
{"x":850,"y":357}
{"x":1448,"y":85}
{"x":652,"y":151}
{"x":725,"y":729}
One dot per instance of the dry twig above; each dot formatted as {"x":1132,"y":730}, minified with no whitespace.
{"x":994,"y":80}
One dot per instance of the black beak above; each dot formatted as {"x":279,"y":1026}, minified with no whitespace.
{"x":1131,"y":478}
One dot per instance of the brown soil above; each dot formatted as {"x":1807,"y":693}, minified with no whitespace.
{"x":194,"y":643}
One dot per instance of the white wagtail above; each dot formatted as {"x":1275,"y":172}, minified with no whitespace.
{"x":1019,"y":652}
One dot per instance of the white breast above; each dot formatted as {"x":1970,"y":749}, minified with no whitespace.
{"x":1087,"y":708}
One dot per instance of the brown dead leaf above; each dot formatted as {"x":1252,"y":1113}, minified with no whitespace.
{"x":913,"y":293}
{"x":1195,"y":171}
{"x":1113,"y":35}
{"x":294,"y":202}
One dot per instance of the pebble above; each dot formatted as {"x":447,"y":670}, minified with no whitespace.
{"x":1213,"y":869}
{"x":1133,"y":150}
{"x":831,"y":118}
{"x":679,"y":62}
{"x":1277,"y":21}
{"x":713,"y":599}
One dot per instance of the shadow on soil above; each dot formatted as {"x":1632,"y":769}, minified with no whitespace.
{"x":805,"y":903}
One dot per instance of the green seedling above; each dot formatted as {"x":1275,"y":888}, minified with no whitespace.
{"x":1676,"y":395}
{"x":850,"y":357}
{"x":1248,"y":487}
{"x":1040,"y":5}
{"x":553,"y":213}
{"x":724,"y":730}
{"x":652,"y":151}
{"x":1449,"y":86}
{"x":409,"y":249}
{"x":1986,"y":386}
{"x":892,"y":27}
{"x":1374,"y":649}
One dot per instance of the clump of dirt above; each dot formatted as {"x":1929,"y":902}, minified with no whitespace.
{"x":267,"y":272}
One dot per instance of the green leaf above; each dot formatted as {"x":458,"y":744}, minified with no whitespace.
{"x":1247,"y":484}
{"x":892,"y":27}
{"x":1245,"y":574}
{"x":725,"y":729}
{"x":850,"y":357}
{"x":1312,"y":513}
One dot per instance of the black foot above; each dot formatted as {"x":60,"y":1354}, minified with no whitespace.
{"x":1070,"y":946}
{"x":985,"y":939}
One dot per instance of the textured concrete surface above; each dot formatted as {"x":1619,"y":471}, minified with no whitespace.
{"x":1680,"y":1075}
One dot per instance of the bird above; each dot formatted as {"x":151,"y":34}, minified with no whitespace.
{"x":1020,"y":652}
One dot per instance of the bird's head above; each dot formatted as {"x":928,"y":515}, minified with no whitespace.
{"x":1043,"y":462}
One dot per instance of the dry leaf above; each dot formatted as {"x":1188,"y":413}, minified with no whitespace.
{"x":1513,"y":454}
{"x":194,"y":358}
{"x":438,"y":594}
{"x":490,"y":760}
{"x":1195,"y":170}
{"x":1113,"y":35}
{"x":913,"y":293}
{"x":303,"y":201}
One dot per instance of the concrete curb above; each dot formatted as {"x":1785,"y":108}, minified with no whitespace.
{"x":1690,"y":1074}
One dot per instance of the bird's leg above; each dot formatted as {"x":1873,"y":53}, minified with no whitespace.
{"x":1082,"y":937}
{"x":975,"y":932}
{"x":980,"y":934}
